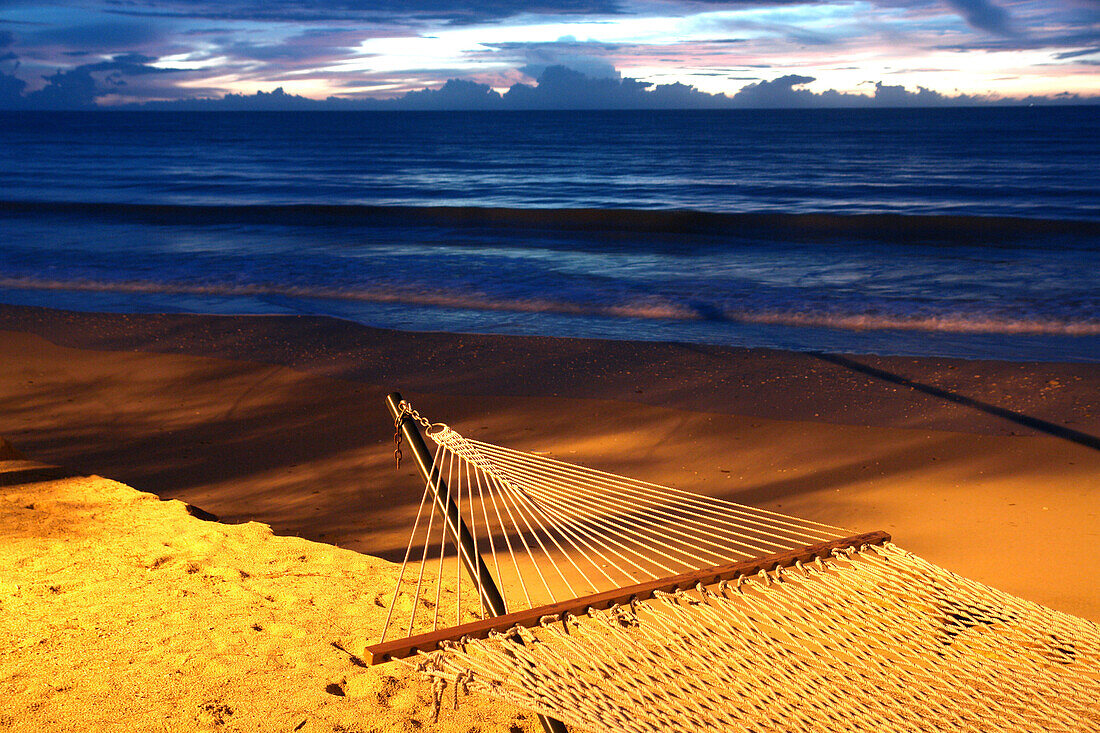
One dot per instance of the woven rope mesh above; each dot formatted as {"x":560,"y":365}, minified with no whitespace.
{"x":876,"y":639}
{"x":549,"y":531}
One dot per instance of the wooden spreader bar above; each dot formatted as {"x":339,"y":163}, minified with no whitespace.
{"x":409,"y":646}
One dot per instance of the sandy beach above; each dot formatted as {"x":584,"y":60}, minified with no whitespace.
{"x":990,"y":469}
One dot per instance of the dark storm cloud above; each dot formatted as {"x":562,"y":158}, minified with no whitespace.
{"x":94,"y":36}
{"x":455,"y":12}
{"x":127,"y":64}
{"x":563,"y":88}
{"x":788,"y":92}
{"x":11,"y":91}
{"x":1076,"y":40}
{"x":562,"y":45}
{"x":980,"y":14}
{"x":779,"y":92}
{"x":590,"y":58}
{"x":708,"y":5}
{"x":792,"y":33}
{"x":11,"y":87}
{"x":78,"y":88}
{"x":984,"y":15}
{"x":557,"y":88}
{"x":267,"y":42}
{"x":1075,"y":54}
{"x":313,"y":45}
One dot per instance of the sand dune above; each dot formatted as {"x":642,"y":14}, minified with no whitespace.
{"x":122,"y":612}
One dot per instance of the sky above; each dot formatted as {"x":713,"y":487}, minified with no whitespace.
{"x":541,"y":54}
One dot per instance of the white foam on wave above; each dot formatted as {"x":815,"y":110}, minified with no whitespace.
{"x":969,"y":323}
{"x":652,"y":308}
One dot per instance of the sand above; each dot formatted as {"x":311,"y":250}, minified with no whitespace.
{"x":121,"y":612}
{"x":990,"y":469}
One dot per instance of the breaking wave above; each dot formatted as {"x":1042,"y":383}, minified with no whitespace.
{"x":656,"y":308}
{"x":895,"y":228}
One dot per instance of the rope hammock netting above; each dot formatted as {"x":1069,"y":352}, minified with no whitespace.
{"x":618,"y":605}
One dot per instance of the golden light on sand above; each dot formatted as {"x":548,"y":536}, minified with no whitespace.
{"x":120,"y":609}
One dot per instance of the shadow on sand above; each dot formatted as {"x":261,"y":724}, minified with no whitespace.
{"x":1042,"y":426}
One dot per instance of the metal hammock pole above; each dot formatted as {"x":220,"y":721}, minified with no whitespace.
{"x":460,"y":533}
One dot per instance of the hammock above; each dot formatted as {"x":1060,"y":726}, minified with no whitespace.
{"x":614,"y":604}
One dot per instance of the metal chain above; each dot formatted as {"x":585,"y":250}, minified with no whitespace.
{"x":397,"y":439}
{"x":405,"y":409}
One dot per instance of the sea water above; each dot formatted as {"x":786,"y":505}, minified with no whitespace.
{"x":952,"y":232}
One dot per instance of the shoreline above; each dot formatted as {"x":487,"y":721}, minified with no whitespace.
{"x":717,"y":378}
{"x":280,"y":420}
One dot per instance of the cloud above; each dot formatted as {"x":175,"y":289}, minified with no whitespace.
{"x":1032,"y":41}
{"x":11,"y":90}
{"x":317,"y":44}
{"x":568,"y":74}
{"x":745,"y":4}
{"x":95,"y":36}
{"x":779,"y":92}
{"x":451,"y":12}
{"x":591,"y":66}
{"x":127,"y":64}
{"x":278,"y":58}
{"x":276,"y":100}
{"x":898,"y":96}
{"x":591,"y":58}
{"x":792,"y":33}
{"x":1075,"y":54}
{"x":980,"y":14}
{"x":560,"y":88}
{"x":557,"y":88}
{"x":456,"y":94}
{"x":786,"y":93}
{"x":80,"y":87}
{"x":984,"y":15}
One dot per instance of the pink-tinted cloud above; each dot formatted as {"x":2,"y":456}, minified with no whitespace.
{"x":317,"y":46}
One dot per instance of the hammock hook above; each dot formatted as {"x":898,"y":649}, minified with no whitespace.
{"x":405,"y":408}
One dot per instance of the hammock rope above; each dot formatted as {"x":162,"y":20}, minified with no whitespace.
{"x":635,"y":607}
{"x":568,"y":531}
{"x":873,"y":637}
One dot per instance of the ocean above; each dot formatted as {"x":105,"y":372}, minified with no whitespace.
{"x":970,"y":233}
